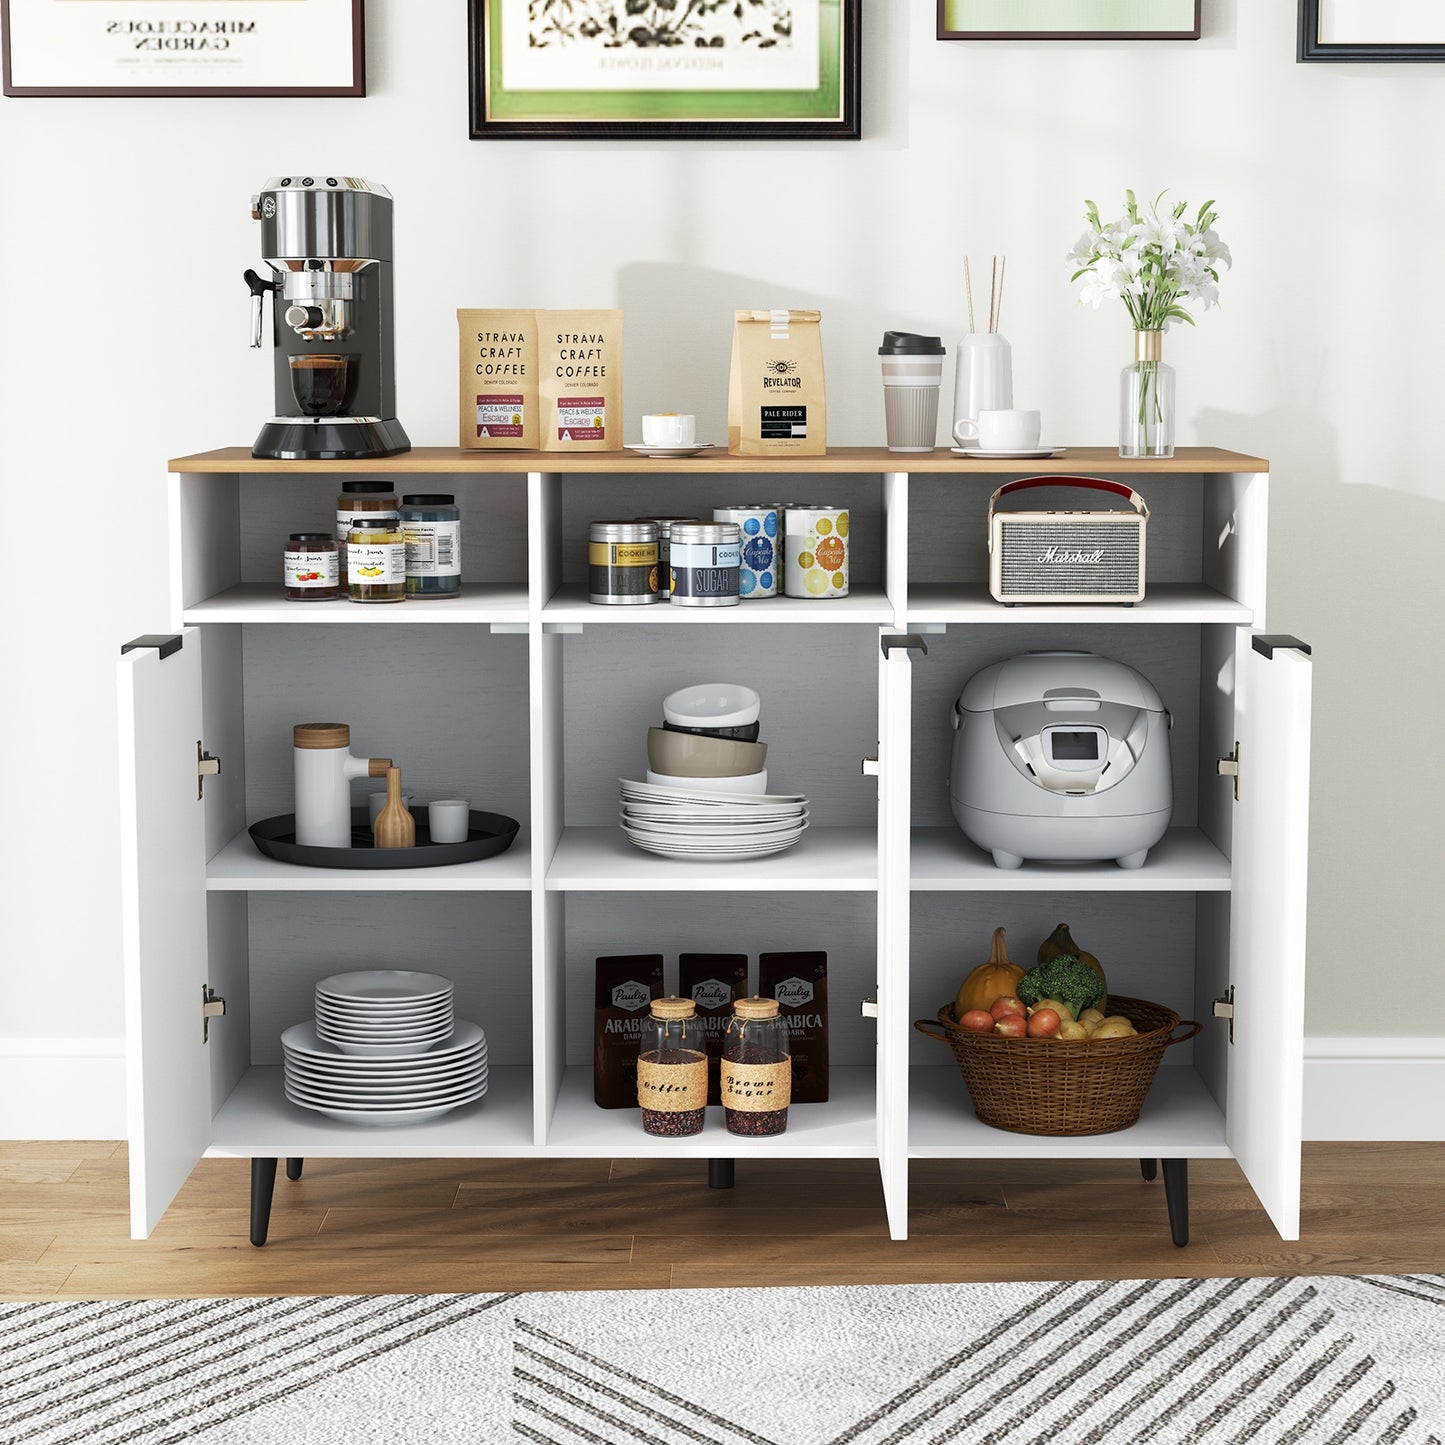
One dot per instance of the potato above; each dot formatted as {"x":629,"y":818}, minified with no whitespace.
{"x":1071,"y":1032}
{"x":1060,"y":1008}
{"x":1091,"y":1016}
{"x":1114,"y":1029}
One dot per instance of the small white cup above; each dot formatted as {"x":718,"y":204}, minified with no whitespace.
{"x":669,"y":429}
{"x":448,"y":819}
{"x":375,"y":802}
{"x":1001,"y":430}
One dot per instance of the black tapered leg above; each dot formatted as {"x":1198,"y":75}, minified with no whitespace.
{"x":293,"y":1168}
{"x":720,"y":1173}
{"x":1149,"y":1168}
{"x":263,"y":1184}
{"x":1176,"y":1196}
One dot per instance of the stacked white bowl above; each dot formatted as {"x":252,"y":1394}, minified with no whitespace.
{"x":385,"y":1048}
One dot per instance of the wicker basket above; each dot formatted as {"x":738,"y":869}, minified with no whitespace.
{"x":1052,"y":1086}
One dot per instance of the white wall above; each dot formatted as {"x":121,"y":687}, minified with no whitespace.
{"x":125,"y":230}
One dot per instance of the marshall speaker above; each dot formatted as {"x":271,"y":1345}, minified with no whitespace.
{"x":1067,"y":556}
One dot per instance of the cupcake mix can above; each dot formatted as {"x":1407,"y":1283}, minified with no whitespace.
{"x":760,"y":544}
{"x":816,"y":552}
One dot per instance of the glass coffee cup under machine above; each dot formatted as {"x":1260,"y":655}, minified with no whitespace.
{"x":328,"y":240}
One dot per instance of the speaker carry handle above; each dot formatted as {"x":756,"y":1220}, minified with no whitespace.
{"x":1098,"y":484}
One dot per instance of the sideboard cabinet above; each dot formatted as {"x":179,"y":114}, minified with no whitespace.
{"x":525,"y":698}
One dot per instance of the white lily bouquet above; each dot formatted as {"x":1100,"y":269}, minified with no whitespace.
{"x":1154,"y":263}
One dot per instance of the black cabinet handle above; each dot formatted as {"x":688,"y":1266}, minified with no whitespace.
{"x":1266,"y":643}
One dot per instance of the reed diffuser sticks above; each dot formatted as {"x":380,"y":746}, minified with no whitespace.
{"x":995,"y":291}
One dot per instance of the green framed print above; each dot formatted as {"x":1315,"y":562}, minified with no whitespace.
{"x":1068,"y":19}
{"x":664,"y":70}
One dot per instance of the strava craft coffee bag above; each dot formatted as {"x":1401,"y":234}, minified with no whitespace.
{"x":579,"y":357}
{"x":498,"y":392}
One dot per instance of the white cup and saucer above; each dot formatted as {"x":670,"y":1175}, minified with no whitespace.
{"x":1001,"y":432}
{"x":668,"y":434}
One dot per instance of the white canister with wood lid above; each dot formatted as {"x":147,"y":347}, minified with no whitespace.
{"x":324,"y":770}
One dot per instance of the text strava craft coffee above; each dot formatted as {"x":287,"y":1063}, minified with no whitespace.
{"x":626,"y":987}
{"x":498,"y":393}
{"x":579,"y":360}
{"x":712,"y":981}
{"x":777,"y":403}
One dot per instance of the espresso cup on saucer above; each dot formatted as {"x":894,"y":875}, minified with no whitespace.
{"x":669,"y":429}
{"x":1001,"y":430}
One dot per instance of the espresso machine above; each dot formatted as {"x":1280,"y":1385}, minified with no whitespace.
{"x":328,"y":241}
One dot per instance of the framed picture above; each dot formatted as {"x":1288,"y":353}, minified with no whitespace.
{"x":664,"y":69}
{"x":1068,"y":19}
{"x":183,"y":47}
{"x":1371,"y":30}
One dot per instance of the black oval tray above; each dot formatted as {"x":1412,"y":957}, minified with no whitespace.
{"x":488,"y":835}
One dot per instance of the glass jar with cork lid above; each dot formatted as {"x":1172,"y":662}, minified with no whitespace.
{"x":757,"y":1069}
{"x":672,"y":1069}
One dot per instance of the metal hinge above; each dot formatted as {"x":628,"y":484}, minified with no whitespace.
{"x":1224,"y":1009}
{"x":213,"y":1006}
{"x":868,"y":1008}
{"x":206,"y":767}
{"x":1229,"y":768}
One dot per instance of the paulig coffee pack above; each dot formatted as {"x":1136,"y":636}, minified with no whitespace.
{"x":712,"y":981}
{"x":799,"y":982}
{"x":777,"y":403}
{"x":626,"y":986}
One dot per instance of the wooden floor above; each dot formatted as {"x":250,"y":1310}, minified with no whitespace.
{"x":445,"y":1226}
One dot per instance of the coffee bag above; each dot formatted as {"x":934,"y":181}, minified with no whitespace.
{"x":498,"y":391}
{"x":580,"y":365}
{"x":712,"y":981}
{"x":799,"y":982}
{"x":626,"y":986}
{"x":777,"y":403}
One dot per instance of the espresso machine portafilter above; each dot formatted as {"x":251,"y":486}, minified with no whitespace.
{"x":327,"y":239}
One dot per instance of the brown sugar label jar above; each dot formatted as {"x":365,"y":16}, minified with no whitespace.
{"x":672,"y":1069}
{"x":757,"y":1069}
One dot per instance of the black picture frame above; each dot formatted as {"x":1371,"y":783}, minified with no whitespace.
{"x":948,"y":30}
{"x":355,"y":46}
{"x":842,"y":123}
{"x":1311,"y":48}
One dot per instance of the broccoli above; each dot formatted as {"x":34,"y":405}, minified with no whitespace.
{"x":1065,"y":978}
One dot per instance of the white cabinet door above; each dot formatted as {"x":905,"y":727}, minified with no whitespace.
{"x":895,"y":684}
{"x":1267,"y":920}
{"x":163,"y":875}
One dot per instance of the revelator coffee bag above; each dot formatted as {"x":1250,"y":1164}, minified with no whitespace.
{"x":777,"y":403}
{"x":799,"y":982}
{"x":626,"y":986}
{"x":712,"y":981}
{"x":498,"y":393}
{"x":580,"y":363}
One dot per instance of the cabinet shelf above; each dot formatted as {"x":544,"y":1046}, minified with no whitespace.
{"x":258,"y":1121}
{"x":601,"y":859}
{"x":932,"y":602}
{"x":1184,"y":861}
{"x":1180,"y":1120}
{"x":846,"y":1127}
{"x":239,"y":868}
{"x":254,"y":602}
{"x":861,"y":605}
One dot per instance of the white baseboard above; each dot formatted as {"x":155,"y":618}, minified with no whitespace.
{"x":1374,"y":1088}
{"x":1354,"y":1088}
{"x":56,"y":1088}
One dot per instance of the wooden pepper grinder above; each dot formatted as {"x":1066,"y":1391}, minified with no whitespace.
{"x":395,"y":827}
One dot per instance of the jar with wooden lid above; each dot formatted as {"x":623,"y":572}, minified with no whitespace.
{"x":757,"y":1069}
{"x":376,"y":560}
{"x":672,"y":1069}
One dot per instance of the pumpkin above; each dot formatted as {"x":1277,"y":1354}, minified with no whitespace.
{"x":989,"y":980}
{"x":1062,"y":941}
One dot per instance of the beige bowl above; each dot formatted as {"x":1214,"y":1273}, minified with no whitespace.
{"x":690,"y":755}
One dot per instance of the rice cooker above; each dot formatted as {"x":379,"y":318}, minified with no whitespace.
{"x":1061,"y":756}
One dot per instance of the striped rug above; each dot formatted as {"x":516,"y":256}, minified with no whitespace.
{"x":1318,"y":1360}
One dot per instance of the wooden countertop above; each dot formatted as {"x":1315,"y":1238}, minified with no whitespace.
{"x":1078,"y":460}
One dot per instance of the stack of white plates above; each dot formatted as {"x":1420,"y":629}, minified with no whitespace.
{"x":707,"y":827}
{"x":384,"y":1013}
{"x":384,"y":1049}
